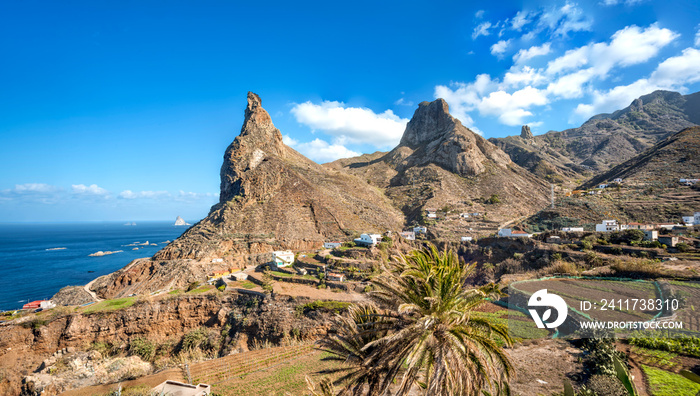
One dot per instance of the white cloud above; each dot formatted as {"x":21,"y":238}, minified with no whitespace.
{"x":479,"y":14}
{"x":403,"y":102}
{"x":625,"y":2}
{"x":568,"y":18}
{"x":671,"y":74}
{"x":521,"y":19}
{"x":92,"y":189}
{"x":628,"y":46}
{"x":697,"y":37}
{"x":32,"y":192}
{"x":321,"y":151}
{"x":29,"y":188}
{"x":352,"y":124}
{"x":526,"y":54}
{"x":128,"y":194}
{"x":500,"y":47}
{"x":571,"y":85}
{"x":511,"y":109}
{"x":188,"y":196}
{"x":678,"y":70}
{"x":524,"y":76}
{"x":289,"y":141}
{"x":615,"y":98}
{"x":481,"y":30}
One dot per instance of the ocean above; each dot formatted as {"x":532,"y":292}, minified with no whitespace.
{"x":37,"y":260}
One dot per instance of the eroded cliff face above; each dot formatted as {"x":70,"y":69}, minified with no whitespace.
{"x":23,"y":348}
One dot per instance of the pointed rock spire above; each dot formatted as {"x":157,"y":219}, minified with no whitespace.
{"x":259,"y":139}
{"x":525,"y":132}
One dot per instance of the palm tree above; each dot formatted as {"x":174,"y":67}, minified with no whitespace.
{"x":434,"y":340}
{"x":363,"y":324}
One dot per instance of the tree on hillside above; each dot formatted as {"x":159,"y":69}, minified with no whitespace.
{"x":427,"y":336}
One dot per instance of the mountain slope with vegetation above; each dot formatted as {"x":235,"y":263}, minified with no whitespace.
{"x":605,"y":140}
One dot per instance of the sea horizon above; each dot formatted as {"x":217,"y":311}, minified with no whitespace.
{"x":40,"y":258}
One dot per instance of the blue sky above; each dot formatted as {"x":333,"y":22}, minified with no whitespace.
{"x":122,"y":110}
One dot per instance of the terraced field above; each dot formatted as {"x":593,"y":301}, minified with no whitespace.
{"x":216,"y":371}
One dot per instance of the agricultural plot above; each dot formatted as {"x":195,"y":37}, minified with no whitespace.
{"x":224,"y":369}
{"x":610,"y":300}
{"x":689,"y":294}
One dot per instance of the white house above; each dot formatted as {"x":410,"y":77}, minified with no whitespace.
{"x":431,"y":213}
{"x":239,"y":276}
{"x":618,"y":180}
{"x":467,"y":239}
{"x":281,"y":258}
{"x":419,"y":230}
{"x":331,"y":245}
{"x":504,"y":232}
{"x":368,"y":239}
{"x":408,"y":235}
{"x":602,"y":186}
{"x":697,"y":218}
{"x":217,"y":260}
{"x":607,"y":226}
{"x":464,"y":215}
{"x":688,"y":220}
{"x":332,"y":276}
{"x":572,"y":229}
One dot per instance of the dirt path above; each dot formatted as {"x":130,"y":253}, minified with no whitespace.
{"x":92,"y":293}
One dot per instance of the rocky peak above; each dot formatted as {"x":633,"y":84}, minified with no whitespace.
{"x":525,"y":133}
{"x":434,"y":136}
{"x":258,"y":140}
{"x":429,"y":123}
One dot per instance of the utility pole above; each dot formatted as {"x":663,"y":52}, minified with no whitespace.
{"x":552,"y":185}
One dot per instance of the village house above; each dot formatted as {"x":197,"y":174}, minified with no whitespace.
{"x":688,"y":220}
{"x":239,"y":276}
{"x":618,"y":180}
{"x":651,"y":235}
{"x":431,"y":213}
{"x":553,"y":239}
{"x":333,"y":276}
{"x":368,"y":240}
{"x":607,"y":226}
{"x":640,"y":226}
{"x":696,"y":221}
{"x":43,"y":304}
{"x":420,"y":230}
{"x":464,"y":215}
{"x":667,"y":226}
{"x":601,"y":186}
{"x":331,"y":245}
{"x":467,"y":239}
{"x":408,"y":235}
{"x":281,"y":259}
{"x":508,"y":233}
{"x":670,"y":241}
{"x":217,"y":260}
{"x":572,"y":229}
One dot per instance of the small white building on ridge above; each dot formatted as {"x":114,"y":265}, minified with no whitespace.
{"x":607,"y":226}
{"x":368,"y":239}
{"x":282,"y":258}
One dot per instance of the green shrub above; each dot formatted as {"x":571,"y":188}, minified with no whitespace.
{"x":195,"y":339}
{"x":683,"y":247}
{"x":494,"y":199}
{"x":143,"y":348}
